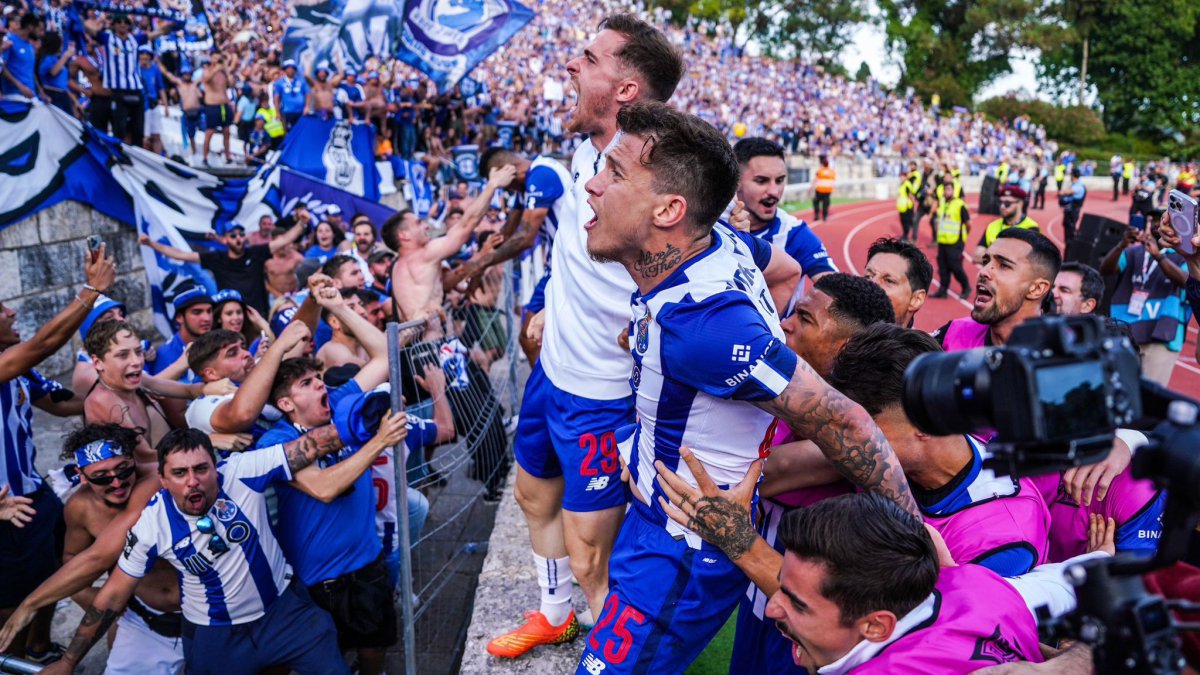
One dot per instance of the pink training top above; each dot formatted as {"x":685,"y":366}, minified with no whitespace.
{"x":979,"y":620}
{"x":1137,"y":506}
{"x":964,"y":333}
{"x":806,"y":496}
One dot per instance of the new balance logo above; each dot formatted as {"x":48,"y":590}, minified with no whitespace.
{"x":593,"y":665}
{"x":741,"y":353}
{"x":597,"y":483}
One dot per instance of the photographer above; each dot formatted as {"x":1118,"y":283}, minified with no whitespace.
{"x":1150,"y":298}
{"x":1014,"y":284}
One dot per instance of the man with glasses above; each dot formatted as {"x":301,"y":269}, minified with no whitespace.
{"x":241,"y":611}
{"x":1012,"y":214}
{"x":149,"y":634}
{"x":239,"y":267}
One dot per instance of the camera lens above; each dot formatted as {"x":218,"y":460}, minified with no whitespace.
{"x":946,"y":394}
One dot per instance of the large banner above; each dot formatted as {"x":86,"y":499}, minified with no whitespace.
{"x":47,"y":156}
{"x":445,"y":39}
{"x":334,"y":151}
{"x":319,"y":196}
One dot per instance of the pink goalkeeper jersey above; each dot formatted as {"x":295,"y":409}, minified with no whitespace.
{"x":1136,"y":505}
{"x":978,"y":620}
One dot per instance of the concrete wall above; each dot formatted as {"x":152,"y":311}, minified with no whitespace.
{"x":41,"y":270}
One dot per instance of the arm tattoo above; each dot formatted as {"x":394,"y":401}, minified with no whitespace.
{"x":94,"y":625}
{"x":316,"y":443}
{"x":844,"y":433}
{"x":723,"y":524}
{"x":651,"y":265}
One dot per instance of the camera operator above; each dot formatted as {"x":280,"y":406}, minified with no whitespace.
{"x":1150,"y":298}
{"x":1014,"y":284}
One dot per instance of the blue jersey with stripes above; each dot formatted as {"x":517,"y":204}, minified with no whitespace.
{"x":17,"y":453}
{"x":799,"y":240}
{"x":233,"y":587}
{"x":705,"y":342}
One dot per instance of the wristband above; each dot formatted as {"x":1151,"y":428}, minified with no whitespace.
{"x":85,"y":304}
{"x":89,"y":287}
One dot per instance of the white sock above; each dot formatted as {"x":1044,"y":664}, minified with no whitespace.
{"x":585,"y":617}
{"x":554,"y":578}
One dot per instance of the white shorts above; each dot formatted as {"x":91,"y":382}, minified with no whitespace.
{"x":154,"y":121}
{"x":138,"y":650}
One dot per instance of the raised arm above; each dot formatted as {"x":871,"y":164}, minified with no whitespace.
{"x":308,"y":448}
{"x":522,"y":238}
{"x":292,"y":234}
{"x":238,"y":413}
{"x":445,"y":246}
{"x":844,"y":432}
{"x":374,"y":372}
{"x":170,"y":251}
{"x":19,"y":358}
{"x":330,"y":483}
{"x":98,"y":618}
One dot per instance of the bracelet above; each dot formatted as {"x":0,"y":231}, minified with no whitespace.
{"x":89,"y":287}
{"x":85,"y":304}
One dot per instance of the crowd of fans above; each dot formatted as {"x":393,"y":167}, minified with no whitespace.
{"x":237,"y":481}
{"x":229,"y":74}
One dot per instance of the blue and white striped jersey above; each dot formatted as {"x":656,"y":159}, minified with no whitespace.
{"x":17,"y":453}
{"x":705,"y":342}
{"x":234,"y":587}
{"x":121,"y":69}
{"x":799,"y":240}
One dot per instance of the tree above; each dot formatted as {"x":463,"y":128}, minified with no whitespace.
{"x":864,"y":72}
{"x":1144,"y":62}
{"x":956,"y":47}
{"x":817,"y":29}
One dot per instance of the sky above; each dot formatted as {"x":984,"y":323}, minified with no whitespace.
{"x":868,"y":46}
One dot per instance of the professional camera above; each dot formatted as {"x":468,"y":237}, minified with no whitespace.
{"x":1054,"y":395}
{"x":1053,"y":398}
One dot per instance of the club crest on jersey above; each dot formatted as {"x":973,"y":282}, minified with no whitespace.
{"x":225,"y":510}
{"x":996,"y":648}
{"x":642,"y":342}
{"x":635,"y":378}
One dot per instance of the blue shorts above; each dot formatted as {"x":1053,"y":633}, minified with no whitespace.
{"x":665,"y":604}
{"x":294,"y":633}
{"x":560,"y":434}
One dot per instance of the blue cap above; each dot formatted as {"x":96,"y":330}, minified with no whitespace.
{"x":192,"y":296}
{"x":103,"y":304}
{"x":372,"y":75}
{"x":357,"y":416}
{"x":97,"y":451}
{"x":145,"y":49}
{"x":227,"y":227}
{"x":282,"y":319}
{"x":289,"y":63}
{"x":227,"y":295}
{"x":351,"y":71}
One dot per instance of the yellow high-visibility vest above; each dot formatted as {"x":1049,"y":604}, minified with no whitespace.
{"x":950,"y":227}
{"x":995,"y":227}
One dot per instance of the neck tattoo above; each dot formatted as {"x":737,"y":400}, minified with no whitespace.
{"x":651,"y":265}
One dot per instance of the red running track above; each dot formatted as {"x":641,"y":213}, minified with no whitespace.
{"x":852,"y":228}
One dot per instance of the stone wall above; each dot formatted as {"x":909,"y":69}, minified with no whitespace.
{"x":42,"y":269}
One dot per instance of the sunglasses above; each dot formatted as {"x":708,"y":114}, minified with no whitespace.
{"x":1007,"y":202}
{"x":107,"y":479}
{"x":216,"y":544}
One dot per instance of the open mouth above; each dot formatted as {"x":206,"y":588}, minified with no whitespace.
{"x":590,"y":223}
{"x":324,"y":401}
{"x":769,"y":203}
{"x":195,"y":501}
{"x":982,"y":295}
{"x":134,"y":377}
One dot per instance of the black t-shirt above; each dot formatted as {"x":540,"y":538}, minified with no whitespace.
{"x":246,"y":275}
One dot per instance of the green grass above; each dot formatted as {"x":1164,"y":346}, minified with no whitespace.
{"x":795,"y":205}
{"x":714,"y":660}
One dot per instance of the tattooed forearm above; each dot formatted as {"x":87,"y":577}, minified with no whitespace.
{"x":723,"y":524}
{"x":316,"y":443}
{"x":653,"y":264}
{"x":844,"y":433}
{"x":94,"y":625}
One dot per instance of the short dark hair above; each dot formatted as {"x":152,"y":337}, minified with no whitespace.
{"x":749,"y":148}
{"x":290,"y":371}
{"x":206,"y":347}
{"x":1091,"y":284}
{"x":686,"y":156}
{"x":336,"y":263}
{"x":278,"y":232}
{"x":29,"y":20}
{"x":855,"y":300}
{"x":103,"y":334}
{"x":494,"y":157}
{"x":124,"y":438}
{"x":886,"y":561}
{"x":391,"y":229}
{"x":869,"y":369}
{"x":1044,"y":254}
{"x":920,"y":271}
{"x":182,"y":440}
{"x":647,"y":51}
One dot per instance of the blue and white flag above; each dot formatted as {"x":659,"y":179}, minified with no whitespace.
{"x":466,"y":162}
{"x":418,"y":191}
{"x":334,"y":151}
{"x":445,"y":39}
{"x":319,"y":196}
{"x":506,"y":132}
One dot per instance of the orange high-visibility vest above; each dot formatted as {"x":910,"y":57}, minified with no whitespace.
{"x":825,"y":176}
